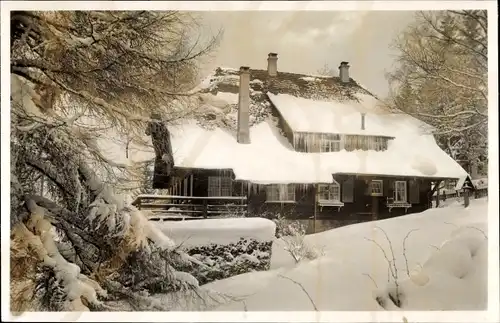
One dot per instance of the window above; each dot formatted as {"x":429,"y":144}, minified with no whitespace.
{"x":350,"y":143}
{"x":280,"y":193}
{"x":329,"y":192}
{"x":400,"y":191}
{"x":372,"y":141}
{"x":220,"y":186}
{"x":330,"y":143}
{"x":376,"y":188}
{"x":379,"y":143}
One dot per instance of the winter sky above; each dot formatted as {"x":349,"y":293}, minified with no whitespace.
{"x":306,"y":40}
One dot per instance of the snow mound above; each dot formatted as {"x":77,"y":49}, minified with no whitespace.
{"x":218,"y":231}
{"x":447,"y":259}
{"x":454,"y":277}
{"x":424,"y":165}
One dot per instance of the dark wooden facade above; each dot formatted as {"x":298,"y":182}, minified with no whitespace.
{"x":360,"y":206}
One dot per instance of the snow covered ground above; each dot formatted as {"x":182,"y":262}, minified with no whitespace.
{"x":445,"y":252}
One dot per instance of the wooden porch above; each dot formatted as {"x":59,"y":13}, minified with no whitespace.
{"x":177,"y":208}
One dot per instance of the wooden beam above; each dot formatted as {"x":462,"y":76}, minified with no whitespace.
{"x":436,"y":188}
{"x":315,"y":189}
{"x":191,"y":185}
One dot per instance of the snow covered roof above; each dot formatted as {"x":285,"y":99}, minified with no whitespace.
{"x":208,"y":140}
{"x":342,"y":117}
{"x":320,"y":104}
{"x":300,"y":85}
{"x":269,"y":158}
{"x":480,"y":183}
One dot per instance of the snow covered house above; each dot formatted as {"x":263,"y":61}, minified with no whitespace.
{"x":305,"y":146}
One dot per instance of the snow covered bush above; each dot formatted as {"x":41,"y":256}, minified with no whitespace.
{"x":223,"y":247}
{"x":292,"y":233}
{"x":285,"y":227}
{"x":223,"y":261}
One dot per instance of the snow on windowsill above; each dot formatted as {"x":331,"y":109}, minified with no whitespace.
{"x":330,"y":202}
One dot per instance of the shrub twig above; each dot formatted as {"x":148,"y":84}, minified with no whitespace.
{"x":303,"y":289}
{"x":371,"y":278}
{"x":484,"y":234}
{"x":404,"y":250}
{"x":392,"y":265}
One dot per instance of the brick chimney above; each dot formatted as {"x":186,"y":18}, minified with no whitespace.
{"x":344,"y":72}
{"x":272,"y":64}
{"x":363,"y":115}
{"x":243,"y":131}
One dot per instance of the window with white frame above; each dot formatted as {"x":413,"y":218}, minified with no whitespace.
{"x":330,"y":143}
{"x":400,"y":191}
{"x":329,"y":192}
{"x":376,"y":187}
{"x":220,"y":186}
{"x":280,"y":193}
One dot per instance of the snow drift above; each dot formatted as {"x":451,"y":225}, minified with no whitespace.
{"x":440,"y":265}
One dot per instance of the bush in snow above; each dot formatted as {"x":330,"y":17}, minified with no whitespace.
{"x":223,"y":247}
{"x":223,"y":261}
{"x":293,"y":234}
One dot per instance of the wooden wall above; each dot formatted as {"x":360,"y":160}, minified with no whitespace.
{"x":362,"y":207}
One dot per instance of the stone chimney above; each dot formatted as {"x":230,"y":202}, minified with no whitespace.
{"x":272,"y":64}
{"x":363,"y":115}
{"x":344,"y":72}
{"x":243,"y":135}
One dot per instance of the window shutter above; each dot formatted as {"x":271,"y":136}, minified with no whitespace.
{"x":389,"y":188}
{"x":414,"y":195}
{"x":348,"y":190}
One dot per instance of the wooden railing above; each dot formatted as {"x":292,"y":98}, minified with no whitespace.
{"x":173,"y":207}
{"x":448,"y":194}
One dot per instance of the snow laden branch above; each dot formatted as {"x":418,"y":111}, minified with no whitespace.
{"x":76,"y":75}
{"x":442,"y":78}
{"x":122,"y":65}
{"x":108,"y":240}
{"x":95,"y":238}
